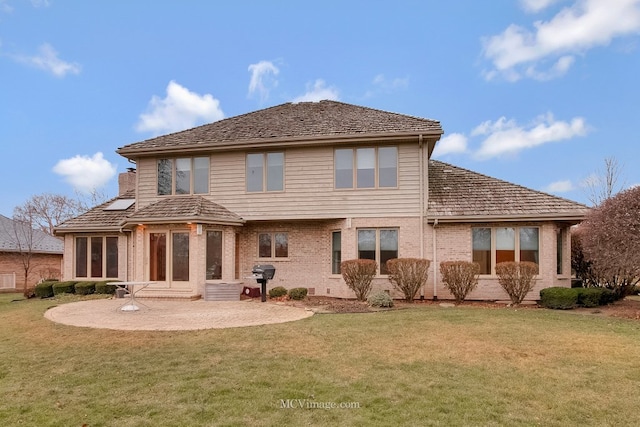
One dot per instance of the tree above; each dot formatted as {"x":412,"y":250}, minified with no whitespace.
{"x":602,"y":185}
{"x":24,"y":239}
{"x":45,"y":211}
{"x":611,"y":241}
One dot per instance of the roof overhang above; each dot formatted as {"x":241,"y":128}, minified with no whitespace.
{"x":69,"y":230}
{"x":557,"y":217}
{"x":134,"y":222}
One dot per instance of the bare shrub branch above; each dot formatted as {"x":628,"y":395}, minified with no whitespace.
{"x":408,"y":275}
{"x":517,"y":278}
{"x":460,"y":277}
{"x":358,"y":274}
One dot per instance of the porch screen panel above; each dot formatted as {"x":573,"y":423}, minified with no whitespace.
{"x":529,"y":241}
{"x":254,"y":172}
{"x":281,"y":245}
{"x":183,"y":176}
{"x":366,"y":161}
{"x":158,"y":257}
{"x":336,"y":252}
{"x":201,"y":175}
{"x":180,"y":258}
{"x":96,"y":257}
{"x":81,"y":257}
{"x":344,"y":168}
{"x":481,"y":242}
{"x":112,"y":256}
{"x":367,"y":244}
{"x":214,"y":255}
{"x":388,"y":167}
{"x":388,"y":248}
{"x":505,"y":245}
{"x":165,"y":170}
{"x":275,"y":171}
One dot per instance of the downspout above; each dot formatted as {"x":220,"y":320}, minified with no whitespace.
{"x":435,"y":262}
{"x":421,"y":190}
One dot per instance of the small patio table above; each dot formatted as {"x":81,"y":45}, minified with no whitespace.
{"x":132,"y":288}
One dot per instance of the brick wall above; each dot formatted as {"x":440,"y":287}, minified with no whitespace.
{"x":42,"y":266}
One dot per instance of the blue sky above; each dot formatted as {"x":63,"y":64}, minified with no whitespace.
{"x":536,"y":92}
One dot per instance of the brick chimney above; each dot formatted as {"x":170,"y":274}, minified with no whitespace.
{"x":127,"y":181}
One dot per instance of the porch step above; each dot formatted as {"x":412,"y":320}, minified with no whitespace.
{"x":222,"y":292}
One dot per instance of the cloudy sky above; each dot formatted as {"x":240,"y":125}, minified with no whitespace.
{"x":536,"y":92}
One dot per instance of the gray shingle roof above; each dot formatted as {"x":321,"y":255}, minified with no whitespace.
{"x":300,"y":121}
{"x":98,"y":218}
{"x":184,"y":209}
{"x":457,"y":194}
{"x":17,"y":237}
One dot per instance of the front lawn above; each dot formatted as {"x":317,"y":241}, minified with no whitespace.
{"x":426,"y":365}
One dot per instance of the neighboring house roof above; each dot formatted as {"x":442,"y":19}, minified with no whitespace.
{"x":99,"y":218}
{"x":16,"y":236}
{"x":184,"y":209}
{"x":457,"y":194}
{"x":302,"y":122}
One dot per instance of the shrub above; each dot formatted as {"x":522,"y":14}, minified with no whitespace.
{"x":380,"y":299}
{"x":44,"y":289}
{"x":298,"y":293}
{"x":277,"y":292}
{"x":358,"y":274}
{"x":63,"y":287}
{"x":460,"y":277}
{"x":517,"y":278}
{"x":559,"y":298}
{"x":85,"y":288}
{"x":104,"y":288}
{"x":408,"y":275}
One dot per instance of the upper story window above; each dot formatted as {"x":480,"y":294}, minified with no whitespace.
{"x":185,"y":175}
{"x":495,"y":245}
{"x":265,"y":172}
{"x":366,"y":167}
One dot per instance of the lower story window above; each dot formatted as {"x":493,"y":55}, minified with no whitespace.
{"x":491,"y":246}
{"x":96,"y":257}
{"x":336,"y":252}
{"x":380,"y":245}
{"x":273,"y":245}
{"x":214,"y":255}
{"x":160,"y":251}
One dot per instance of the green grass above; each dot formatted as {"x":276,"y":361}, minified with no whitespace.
{"x":418,"y":366}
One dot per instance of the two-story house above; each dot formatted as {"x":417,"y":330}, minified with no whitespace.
{"x":303,"y":187}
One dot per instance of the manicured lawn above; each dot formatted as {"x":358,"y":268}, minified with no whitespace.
{"x":419,"y":366}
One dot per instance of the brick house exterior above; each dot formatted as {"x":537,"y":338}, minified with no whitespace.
{"x":304,"y":186}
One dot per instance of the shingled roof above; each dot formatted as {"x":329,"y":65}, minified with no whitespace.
{"x":99,"y":218}
{"x":17,"y":236}
{"x":184,"y":209}
{"x":304,"y":121}
{"x":457,"y":194}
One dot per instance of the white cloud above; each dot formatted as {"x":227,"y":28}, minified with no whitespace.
{"x":180,"y":109}
{"x":47,"y":59}
{"x":317,"y":92}
{"x":519,"y":52}
{"x":559,"y":187}
{"x":390,"y":85}
{"x":5,"y":7}
{"x":535,"y":6}
{"x":455,"y":143}
{"x":84,"y":173}
{"x":507,"y":137}
{"x":262,"y":79}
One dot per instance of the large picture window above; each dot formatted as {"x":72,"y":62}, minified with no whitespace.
{"x":273,"y":245}
{"x":380,"y":245}
{"x":491,"y":246}
{"x":96,"y":257}
{"x":265,"y":172}
{"x":188,"y":175}
{"x":366,"y":167}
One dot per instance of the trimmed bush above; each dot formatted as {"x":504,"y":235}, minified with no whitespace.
{"x":460,"y":277}
{"x":298,"y":293}
{"x":517,"y":278}
{"x":277,"y":292}
{"x":358,"y":274}
{"x":380,"y":299}
{"x":64,"y":287}
{"x":594,"y":297}
{"x":408,"y":275}
{"x":85,"y":288}
{"x":103,"y":288}
{"x":45,"y":289}
{"x":559,"y":298}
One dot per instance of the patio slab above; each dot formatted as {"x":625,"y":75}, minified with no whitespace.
{"x":163,"y":315}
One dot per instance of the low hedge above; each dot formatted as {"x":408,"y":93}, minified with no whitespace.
{"x":45,"y":289}
{"x":84,"y":288}
{"x":64,"y":287}
{"x":277,"y":292}
{"x":568,"y":298}
{"x":104,"y":288}
{"x":298,"y":293}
